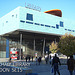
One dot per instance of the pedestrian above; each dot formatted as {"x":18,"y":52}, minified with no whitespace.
{"x":39,"y":60}
{"x":46,"y":59}
{"x":36,"y":60}
{"x":55,"y":63}
{"x":32,"y":58}
{"x":74,"y":56}
{"x":50,"y":59}
{"x":74,"y":62}
{"x":23,"y":57}
{"x":29,"y":58}
{"x":10,"y":59}
{"x":70,"y":64}
{"x":26,"y":59}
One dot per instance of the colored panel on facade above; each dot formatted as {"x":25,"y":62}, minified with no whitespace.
{"x":7,"y":48}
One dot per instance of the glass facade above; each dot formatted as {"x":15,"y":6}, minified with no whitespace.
{"x":2,"y":47}
{"x":27,"y":46}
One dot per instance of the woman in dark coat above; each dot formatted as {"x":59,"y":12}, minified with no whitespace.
{"x":70,"y":64}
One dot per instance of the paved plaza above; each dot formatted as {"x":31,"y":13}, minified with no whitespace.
{"x":42,"y":69}
{"x":45,"y":69}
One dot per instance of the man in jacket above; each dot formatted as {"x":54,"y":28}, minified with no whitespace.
{"x":55,"y":62}
{"x":70,"y":64}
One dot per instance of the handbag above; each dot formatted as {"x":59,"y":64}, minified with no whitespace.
{"x":52,"y":70}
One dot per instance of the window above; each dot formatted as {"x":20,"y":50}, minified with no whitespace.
{"x":42,"y":24}
{"x":16,"y":15}
{"x":37,"y":24}
{"x":6,"y":21}
{"x":47,"y":26}
{"x":29,"y":22}
{"x":72,"y":30}
{"x":69,"y":30}
{"x":1,"y":42}
{"x":12,"y":15}
{"x":65,"y":29}
{"x":61,"y":24}
{"x":57,"y":26}
{"x":52,"y":26}
{"x":0,"y":37}
{"x":29,"y":17}
{"x":22,"y":21}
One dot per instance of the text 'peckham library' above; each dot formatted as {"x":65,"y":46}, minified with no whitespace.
{"x":32,"y":30}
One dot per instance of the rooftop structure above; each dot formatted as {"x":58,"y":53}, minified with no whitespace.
{"x":55,"y":12}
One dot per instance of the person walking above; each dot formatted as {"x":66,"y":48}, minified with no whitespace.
{"x":29,"y":58}
{"x":39,"y":60}
{"x":55,"y":63}
{"x":36,"y":60}
{"x":26,"y":59}
{"x":74,"y":62}
{"x":32,"y":58}
{"x":70,"y":64}
{"x":46,"y":59}
{"x":10,"y":59}
{"x":50,"y":59}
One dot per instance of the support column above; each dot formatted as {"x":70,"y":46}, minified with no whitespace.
{"x":55,"y":40}
{"x":20,"y":44}
{"x":7,"y":47}
{"x":34,"y":47}
{"x":34,"y":44}
{"x":44,"y":47}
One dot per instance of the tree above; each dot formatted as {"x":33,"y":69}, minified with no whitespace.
{"x":53,"y":47}
{"x":66,"y":44}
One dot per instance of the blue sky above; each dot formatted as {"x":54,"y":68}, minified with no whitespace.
{"x":66,"y":6}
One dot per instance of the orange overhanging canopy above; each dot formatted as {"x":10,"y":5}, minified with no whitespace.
{"x":55,"y":12}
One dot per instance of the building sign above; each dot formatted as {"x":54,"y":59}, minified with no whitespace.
{"x":31,"y":6}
